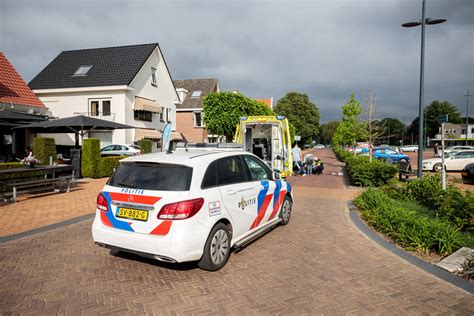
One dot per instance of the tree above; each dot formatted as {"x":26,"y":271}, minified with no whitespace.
{"x":392,"y":130}
{"x":437,"y":109}
{"x":351,"y":129}
{"x":301,"y":112}
{"x":371,"y":113}
{"x":327,"y":131}
{"x":432,"y":112}
{"x":222,"y":111}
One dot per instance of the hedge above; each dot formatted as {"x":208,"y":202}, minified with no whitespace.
{"x":108,"y":164}
{"x":364,"y":173}
{"x":411,"y":229}
{"x":90,"y":158}
{"x":10,"y":165}
{"x":43,"y":148}
{"x":145,"y":145}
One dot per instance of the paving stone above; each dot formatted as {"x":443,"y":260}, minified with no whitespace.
{"x":318,"y":264}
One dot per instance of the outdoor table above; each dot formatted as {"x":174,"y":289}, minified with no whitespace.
{"x":53,"y":170}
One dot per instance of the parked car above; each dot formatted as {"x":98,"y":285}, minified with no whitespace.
{"x":454,"y":149}
{"x":453,"y":161}
{"x":190,"y":205}
{"x":319,"y":146}
{"x":409,"y":148}
{"x":389,"y":154}
{"x":467,"y":173}
{"x":120,"y":150}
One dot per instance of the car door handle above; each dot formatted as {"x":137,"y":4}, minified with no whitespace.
{"x":231,"y":192}
{"x":259,"y":187}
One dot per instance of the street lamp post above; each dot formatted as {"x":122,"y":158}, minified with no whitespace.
{"x":467,"y":95}
{"x":423,"y":22}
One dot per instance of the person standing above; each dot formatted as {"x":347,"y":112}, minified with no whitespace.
{"x":436,"y":149}
{"x":296,"y":157}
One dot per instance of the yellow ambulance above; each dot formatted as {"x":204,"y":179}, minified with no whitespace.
{"x":267,"y":137}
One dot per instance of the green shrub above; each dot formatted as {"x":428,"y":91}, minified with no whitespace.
{"x":10,"y":165}
{"x":450,"y":205}
{"x":411,"y":229}
{"x":365,"y":173}
{"x":342,"y":154}
{"x":90,"y":158}
{"x":43,"y":148}
{"x":145,"y":145}
{"x":108,"y":164}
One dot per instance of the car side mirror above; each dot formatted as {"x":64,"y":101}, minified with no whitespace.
{"x":276,"y":174}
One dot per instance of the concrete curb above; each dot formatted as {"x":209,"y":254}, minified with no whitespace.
{"x":46,"y":228}
{"x":425,"y":266}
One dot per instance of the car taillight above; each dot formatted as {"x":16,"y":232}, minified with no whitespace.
{"x":102,"y":203}
{"x":181,"y":210}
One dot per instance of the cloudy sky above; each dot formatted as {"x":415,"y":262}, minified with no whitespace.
{"x":324,"y":48}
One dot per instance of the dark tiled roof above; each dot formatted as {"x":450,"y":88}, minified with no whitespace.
{"x":206,"y":86}
{"x":111,"y":66}
{"x":13,"y":89}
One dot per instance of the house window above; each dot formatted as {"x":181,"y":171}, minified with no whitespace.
{"x":168,"y":115}
{"x":106,"y":107}
{"x":472,"y":129}
{"x":198,"y":119}
{"x":82,"y":71}
{"x":94,"y":108}
{"x":153,"y":76}
{"x":142,"y":115}
{"x":100,"y":107}
{"x":196,"y":94}
{"x":162,"y":114}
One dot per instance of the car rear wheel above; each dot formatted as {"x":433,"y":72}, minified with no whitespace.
{"x":217,"y":249}
{"x":437,"y":167}
{"x":285,"y":211}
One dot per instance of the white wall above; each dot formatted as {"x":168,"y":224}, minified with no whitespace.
{"x":63,"y":105}
{"x":163,"y":93}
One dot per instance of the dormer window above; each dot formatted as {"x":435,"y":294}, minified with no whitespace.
{"x":196,"y":93}
{"x":82,"y":71}
{"x":153,"y":76}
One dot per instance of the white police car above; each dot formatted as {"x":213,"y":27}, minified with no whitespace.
{"x":190,"y":205}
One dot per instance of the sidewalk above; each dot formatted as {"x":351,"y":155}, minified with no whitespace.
{"x":39,"y":210}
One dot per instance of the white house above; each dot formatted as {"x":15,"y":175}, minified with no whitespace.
{"x":128,"y":84}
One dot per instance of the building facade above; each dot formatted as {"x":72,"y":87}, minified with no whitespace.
{"x":189,"y":114}
{"x":128,"y":84}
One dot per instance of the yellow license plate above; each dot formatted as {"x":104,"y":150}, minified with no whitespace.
{"x":139,"y":215}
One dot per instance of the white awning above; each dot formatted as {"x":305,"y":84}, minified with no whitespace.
{"x":142,"y":104}
{"x":141,"y":133}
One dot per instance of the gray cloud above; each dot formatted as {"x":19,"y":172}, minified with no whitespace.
{"x":326,"y":49}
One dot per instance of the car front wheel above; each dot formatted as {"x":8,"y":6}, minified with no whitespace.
{"x":285,"y":211}
{"x":217,"y":249}
{"x":403,"y":160}
{"x":437,"y":167}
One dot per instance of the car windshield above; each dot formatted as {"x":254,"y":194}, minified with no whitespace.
{"x":152,"y":176}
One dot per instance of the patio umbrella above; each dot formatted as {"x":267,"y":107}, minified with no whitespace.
{"x":78,"y":125}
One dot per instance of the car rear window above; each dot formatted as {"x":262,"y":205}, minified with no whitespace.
{"x":152,"y":176}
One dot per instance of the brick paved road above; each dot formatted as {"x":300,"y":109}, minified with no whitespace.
{"x":319,"y":263}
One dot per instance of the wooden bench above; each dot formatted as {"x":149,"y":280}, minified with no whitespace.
{"x":40,"y":185}
{"x":405,"y":171}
